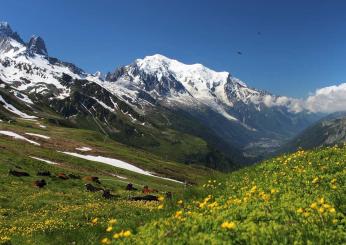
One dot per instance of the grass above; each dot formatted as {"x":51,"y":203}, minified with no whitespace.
{"x":293,"y":199}
{"x":62,"y":211}
{"x":298,"y":198}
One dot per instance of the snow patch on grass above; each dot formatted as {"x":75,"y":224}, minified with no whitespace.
{"x":44,"y":160}
{"x":39,"y":135}
{"x":117,"y":163}
{"x":84,"y":148}
{"x":17,"y":136}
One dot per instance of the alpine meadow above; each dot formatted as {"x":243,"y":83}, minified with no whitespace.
{"x":163,"y":149}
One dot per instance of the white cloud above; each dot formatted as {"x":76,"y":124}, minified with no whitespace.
{"x":328,"y":99}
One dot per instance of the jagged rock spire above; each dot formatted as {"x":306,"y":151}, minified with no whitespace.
{"x":36,"y":45}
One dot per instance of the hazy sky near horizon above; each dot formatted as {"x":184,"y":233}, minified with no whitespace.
{"x":288,"y":47}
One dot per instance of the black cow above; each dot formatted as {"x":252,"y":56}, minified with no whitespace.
{"x":130,"y":187}
{"x":40,"y":183}
{"x":18,"y":173}
{"x":92,"y":188}
{"x":145,"y":198}
{"x":43,"y":173}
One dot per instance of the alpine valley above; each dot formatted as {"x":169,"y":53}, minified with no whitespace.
{"x":159,"y":152}
{"x":184,"y":113}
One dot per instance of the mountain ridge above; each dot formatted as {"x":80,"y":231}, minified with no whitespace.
{"x":149,"y":96}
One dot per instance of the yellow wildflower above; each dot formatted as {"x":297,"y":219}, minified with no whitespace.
{"x":313,"y":205}
{"x":105,"y":241}
{"x":112,"y":221}
{"x":94,"y":221}
{"x":127,"y":233}
{"x":161,"y":198}
{"x":228,"y":225}
{"x":160,"y":207}
{"x":321,"y":201}
{"x":109,"y":229}
{"x":180,"y":202}
{"x":314,"y":181}
{"x":178,"y":214}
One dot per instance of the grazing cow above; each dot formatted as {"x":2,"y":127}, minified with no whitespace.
{"x":18,"y":173}
{"x":92,"y":188}
{"x":130,"y":187}
{"x":40,"y":183}
{"x":63,"y":176}
{"x":43,"y":173}
{"x":92,"y":179}
{"x":72,"y":176}
{"x":107,"y":194}
{"x":169,"y":195}
{"x":146,"y":190}
{"x":145,"y":198}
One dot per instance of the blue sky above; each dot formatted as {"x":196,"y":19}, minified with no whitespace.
{"x":302,"y":45}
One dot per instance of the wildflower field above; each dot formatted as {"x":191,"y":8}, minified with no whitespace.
{"x":297,"y":198}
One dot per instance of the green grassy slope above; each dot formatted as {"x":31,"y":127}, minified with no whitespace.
{"x":293,"y":198}
{"x":62,"y":211}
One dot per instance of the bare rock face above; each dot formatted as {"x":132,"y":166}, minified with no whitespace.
{"x":36,"y":45}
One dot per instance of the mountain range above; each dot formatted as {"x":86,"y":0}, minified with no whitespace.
{"x":186,"y":113}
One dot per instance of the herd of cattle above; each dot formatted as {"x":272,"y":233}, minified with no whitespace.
{"x":106,"y":193}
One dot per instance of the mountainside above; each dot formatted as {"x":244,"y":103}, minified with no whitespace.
{"x":294,"y":198}
{"x":329,"y":131}
{"x":244,"y":117}
{"x":185,"y":113}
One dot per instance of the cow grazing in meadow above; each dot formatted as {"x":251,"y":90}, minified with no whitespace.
{"x":146,"y":190}
{"x":145,"y":198}
{"x":92,"y":188}
{"x":107,"y":194}
{"x":62,"y":176}
{"x":40,"y":183}
{"x":18,"y":173}
{"x":73,"y":176}
{"x":92,"y":179}
{"x":169,"y":195}
{"x":130,"y":187}
{"x":44,"y":173}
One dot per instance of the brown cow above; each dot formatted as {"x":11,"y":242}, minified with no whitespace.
{"x":62,"y":176}
{"x":92,"y":179}
{"x":146,"y":190}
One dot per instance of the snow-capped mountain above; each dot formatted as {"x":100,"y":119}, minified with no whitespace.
{"x":175,"y":83}
{"x":150,"y":103}
{"x":217,"y":98}
{"x":28,"y":68}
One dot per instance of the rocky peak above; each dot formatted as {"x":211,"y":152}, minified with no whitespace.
{"x":7,"y":32}
{"x":36,"y":45}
